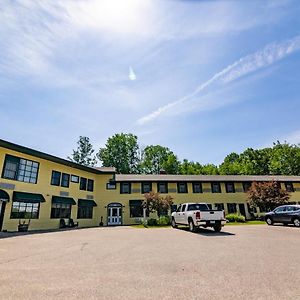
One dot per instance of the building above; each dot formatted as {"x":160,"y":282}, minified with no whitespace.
{"x":44,"y":189}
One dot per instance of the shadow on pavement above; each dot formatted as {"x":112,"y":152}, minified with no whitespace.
{"x":207,"y":232}
{"x":5,"y":235}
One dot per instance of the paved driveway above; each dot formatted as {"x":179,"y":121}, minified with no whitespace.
{"x":244,"y":262}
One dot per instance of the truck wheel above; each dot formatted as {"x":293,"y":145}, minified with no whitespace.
{"x":191,"y":226}
{"x":296,"y":222}
{"x":173,"y":223}
{"x":217,"y":228}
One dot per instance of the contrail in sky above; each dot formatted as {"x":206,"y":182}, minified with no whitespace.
{"x":245,"y":65}
{"x":131,"y":75}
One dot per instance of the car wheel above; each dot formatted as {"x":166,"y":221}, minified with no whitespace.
{"x":217,"y":228}
{"x":269,"y":221}
{"x":173,"y":223}
{"x":191,"y":226}
{"x":296,"y":222}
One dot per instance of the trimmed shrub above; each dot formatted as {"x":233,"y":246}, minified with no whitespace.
{"x":235,"y":218}
{"x":164,"y":221}
{"x":152,"y":222}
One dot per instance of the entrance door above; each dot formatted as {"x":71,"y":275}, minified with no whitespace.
{"x":114,"y":214}
{"x":2,"y":210}
{"x":242,"y":209}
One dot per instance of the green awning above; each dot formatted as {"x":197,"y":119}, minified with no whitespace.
{"x":28,"y":197}
{"x":85,"y":202}
{"x":4,"y":196}
{"x":135,"y":202}
{"x":63,"y":200}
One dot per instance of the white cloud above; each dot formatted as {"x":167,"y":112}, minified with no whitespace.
{"x":242,"y":67}
{"x":132,"y":75}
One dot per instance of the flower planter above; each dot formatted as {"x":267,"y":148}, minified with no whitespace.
{"x":23,"y":227}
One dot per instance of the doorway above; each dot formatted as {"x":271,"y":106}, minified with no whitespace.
{"x":4,"y":197}
{"x":242,"y":209}
{"x":114,"y":214}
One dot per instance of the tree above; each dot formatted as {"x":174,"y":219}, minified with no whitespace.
{"x":157,"y":158}
{"x":285,"y":159}
{"x":154,"y":202}
{"x":122,"y":152}
{"x":230,"y":165}
{"x":267,"y":195}
{"x":190,"y":168}
{"x":84,"y":153}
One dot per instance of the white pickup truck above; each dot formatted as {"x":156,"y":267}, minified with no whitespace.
{"x":195,"y":215}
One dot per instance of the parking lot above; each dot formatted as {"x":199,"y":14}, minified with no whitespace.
{"x":249,"y":262}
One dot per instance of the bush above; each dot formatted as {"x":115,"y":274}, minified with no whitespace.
{"x":235,"y":218}
{"x":152,"y":222}
{"x":164,"y":221}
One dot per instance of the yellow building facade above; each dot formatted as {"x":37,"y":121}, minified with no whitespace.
{"x":45,"y":191}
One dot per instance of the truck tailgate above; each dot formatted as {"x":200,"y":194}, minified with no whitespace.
{"x":213,"y":215}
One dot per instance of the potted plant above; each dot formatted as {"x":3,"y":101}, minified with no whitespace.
{"x":23,"y":227}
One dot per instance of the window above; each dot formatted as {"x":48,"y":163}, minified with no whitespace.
{"x":83,"y":183}
{"x":219,"y":206}
{"x":60,"y":210}
{"x":25,"y":210}
{"x":280,"y":209}
{"x":55,"y":178}
{"x":125,"y":188}
{"x":183,"y":207}
{"x":65,"y":180}
{"x":289,"y":186}
{"x":85,"y":212}
{"x":246,"y":186}
{"x":231,"y":208}
{"x":215,"y":187}
{"x":162,"y":187}
{"x":197,"y":206}
{"x":136,"y":208}
{"x":229,"y":187}
{"x":90,"y":185}
{"x":197,"y":187}
{"x":20,"y":169}
{"x":75,"y":178}
{"x":146,"y":187}
{"x":111,"y":186}
{"x":178,"y":209}
{"x":173,"y":207}
{"x":182,"y":187}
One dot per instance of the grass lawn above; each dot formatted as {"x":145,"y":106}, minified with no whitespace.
{"x":256,"y":222}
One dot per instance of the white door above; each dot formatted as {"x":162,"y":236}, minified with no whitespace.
{"x":114,"y":215}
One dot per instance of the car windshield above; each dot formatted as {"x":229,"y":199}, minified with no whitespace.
{"x":197,"y":206}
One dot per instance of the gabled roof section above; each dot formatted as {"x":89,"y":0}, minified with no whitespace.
{"x":39,"y":154}
{"x":203,"y":178}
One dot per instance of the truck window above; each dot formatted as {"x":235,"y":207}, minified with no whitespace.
{"x":179,"y":208}
{"x":197,"y":206}
{"x":183,"y":207}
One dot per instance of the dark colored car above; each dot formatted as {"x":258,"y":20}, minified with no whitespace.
{"x":285,"y":214}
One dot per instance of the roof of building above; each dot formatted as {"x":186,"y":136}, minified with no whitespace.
{"x":208,"y":178}
{"x":106,"y":169}
{"x":39,"y":154}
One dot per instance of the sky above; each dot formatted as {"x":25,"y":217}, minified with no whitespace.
{"x":204,"y":78}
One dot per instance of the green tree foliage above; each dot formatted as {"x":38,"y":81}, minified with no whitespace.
{"x":285,"y":159}
{"x":195,"y":168}
{"x":267,"y":195}
{"x":154,"y":202}
{"x":122,"y":152}
{"x":157,"y":158}
{"x":84,"y":153}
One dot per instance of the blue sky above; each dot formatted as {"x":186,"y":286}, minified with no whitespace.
{"x":204,"y":78}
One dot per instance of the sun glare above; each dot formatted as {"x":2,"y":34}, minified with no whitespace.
{"x":123,"y":16}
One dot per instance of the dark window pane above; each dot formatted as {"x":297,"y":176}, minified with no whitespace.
{"x":125,"y":188}
{"x":83,"y":183}
{"x":65,"y":180}
{"x":230,"y":187}
{"x":24,"y":210}
{"x":85,"y":212}
{"x":162,"y":187}
{"x":231,"y":208}
{"x":246,"y":186}
{"x":146,"y":187}
{"x":59,"y":210}
{"x":215,"y":187}
{"x":182,"y":187}
{"x":197,"y":187}
{"x":136,"y":210}
{"x":289,"y":187}
{"x":55,"y":178}
{"x":90,"y":185}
